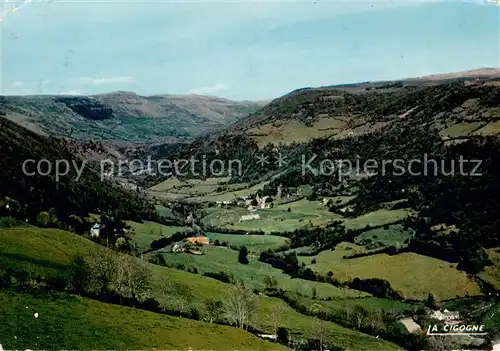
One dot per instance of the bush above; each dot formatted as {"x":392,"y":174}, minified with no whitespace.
{"x":242,"y":255}
{"x":282,"y":336}
{"x":79,"y":274}
{"x":8,"y":222}
{"x":222,"y":276}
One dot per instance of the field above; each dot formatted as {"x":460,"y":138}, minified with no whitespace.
{"x":276,"y":219}
{"x":376,"y":218}
{"x":144,"y":233}
{"x":460,"y":129}
{"x":175,"y":183}
{"x":492,"y":273}
{"x":68,"y":322}
{"x":48,"y":251}
{"x":216,"y":259}
{"x":413,"y":275}
{"x":254,"y":243}
{"x":395,"y":235}
{"x":289,"y":131}
{"x":368,"y":303}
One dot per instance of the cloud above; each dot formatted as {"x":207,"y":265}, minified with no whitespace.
{"x":17,"y":84}
{"x":104,"y":81}
{"x":213,"y":89}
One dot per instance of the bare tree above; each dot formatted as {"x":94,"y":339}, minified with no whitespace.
{"x":320,"y":332}
{"x":240,"y":304}
{"x":132,"y":277}
{"x":275,"y":314}
{"x":359,"y":316}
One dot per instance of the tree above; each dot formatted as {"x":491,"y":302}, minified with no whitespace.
{"x":359,"y":316}
{"x":275,"y":315}
{"x":430,"y":301}
{"x":282,"y":336}
{"x":132,"y":276}
{"x":271,"y":283}
{"x":239,"y":305}
{"x":78,"y":274}
{"x":320,"y":331}
{"x":215,"y":310}
{"x":242,"y":255}
{"x":314,"y":293}
{"x":102,"y":264}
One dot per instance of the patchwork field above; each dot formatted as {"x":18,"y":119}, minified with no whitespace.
{"x":69,"y":322}
{"x":216,"y":259}
{"x":276,"y":219}
{"x":47,"y":251}
{"x":254,"y":243}
{"x":413,"y":275}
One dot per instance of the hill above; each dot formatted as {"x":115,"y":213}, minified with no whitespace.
{"x":47,"y":252}
{"x":30,"y":190}
{"x":125,"y":116}
{"x":72,"y":322}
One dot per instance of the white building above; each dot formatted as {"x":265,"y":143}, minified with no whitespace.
{"x":250,"y":217}
{"x":445,"y":315}
{"x":95,"y":230}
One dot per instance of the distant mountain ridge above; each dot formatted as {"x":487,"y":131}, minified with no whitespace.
{"x":124,"y":116}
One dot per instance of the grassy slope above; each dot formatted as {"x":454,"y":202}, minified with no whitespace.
{"x":412,"y":274}
{"x":217,"y":259}
{"x":369,"y":303}
{"x":47,"y":250}
{"x":492,"y":273}
{"x":70,"y":322}
{"x":395,"y":235}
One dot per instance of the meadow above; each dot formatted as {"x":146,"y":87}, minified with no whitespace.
{"x":395,"y":235}
{"x":67,"y":322}
{"x":413,"y":275}
{"x":376,"y":218}
{"x":216,"y":259}
{"x":254,"y":243}
{"x":368,"y":303}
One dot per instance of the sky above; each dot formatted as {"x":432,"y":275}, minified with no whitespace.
{"x":240,"y":50}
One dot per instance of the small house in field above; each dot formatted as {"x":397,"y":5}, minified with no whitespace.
{"x":95,"y":230}
{"x":199,"y":240}
{"x":445,"y":315}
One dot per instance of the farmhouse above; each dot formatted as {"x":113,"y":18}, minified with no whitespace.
{"x":445,"y":315}
{"x":249,"y":217}
{"x":199,"y":240}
